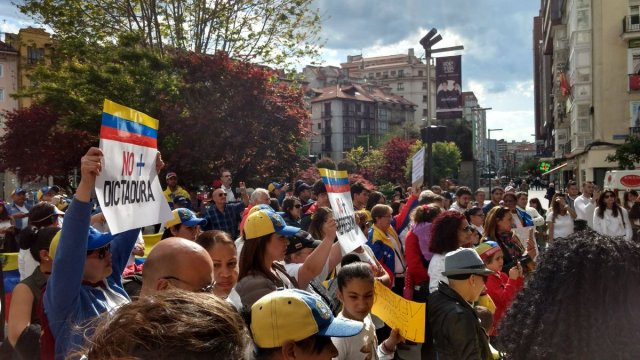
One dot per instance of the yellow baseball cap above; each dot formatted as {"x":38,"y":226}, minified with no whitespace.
{"x":295,"y":315}
{"x":264,"y":222}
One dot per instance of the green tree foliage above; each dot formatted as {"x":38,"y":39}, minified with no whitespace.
{"x":275,"y":32}
{"x":446,"y":160}
{"x":367,"y":163}
{"x":326,"y":163}
{"x":627,"y":154}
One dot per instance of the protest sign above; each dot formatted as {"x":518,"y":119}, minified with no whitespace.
{"x":337,"y":184}
{"x":128,"y":187}
{"x":417,"y":170}
{"x":399,"y":313}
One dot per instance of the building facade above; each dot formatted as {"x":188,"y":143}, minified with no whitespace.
{"x":8,"y":86}
{"x":589,"y":55}
{"x":343,"y":113}
{"x":405,"y":74}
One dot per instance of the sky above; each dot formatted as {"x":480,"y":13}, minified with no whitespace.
{"x":497,"y":60}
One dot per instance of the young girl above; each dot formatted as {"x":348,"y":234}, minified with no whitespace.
{"x":501,"y":288}
{"x":356,"y":292}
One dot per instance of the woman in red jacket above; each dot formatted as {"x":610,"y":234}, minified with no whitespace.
{"x":417,"y":253}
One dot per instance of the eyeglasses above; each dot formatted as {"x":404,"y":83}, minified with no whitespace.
{"x":207,"y":289}
{"x":102,"y":252}
{"x":467,"y":228}
{"x":297,"y":206}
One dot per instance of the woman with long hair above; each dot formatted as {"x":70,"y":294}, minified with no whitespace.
{"x":292,"y":208}
{"x":265,"y":246}
{"x":583,"y":298}
{"x":475,"y":218}
{"x":223,"y":253}
{"x":610,"y":218}
{"x":560,"y":217}
{"x":449,"y":231}
{"x":498,"y":228}
{"x":535,"y":203}
{"x":632,"y":204}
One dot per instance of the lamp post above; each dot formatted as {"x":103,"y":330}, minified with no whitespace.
{"x":490,"y":160}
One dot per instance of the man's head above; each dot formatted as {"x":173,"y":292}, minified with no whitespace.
{"x":19,"y":196}
{"x":260,"y":196}
{"x":463,"y":196}
{"x":521,"y":199}
{"x":172,"y":180}
{"x":178,"y":263}
{"x":359,"y":195}
{"x":219,"y":197}
{"x":587,"y":188}
{"x":572,"y":189}
{"x":436,"y":189}
{"x":47,"y":193}
{"x":466,"y":272}
{"x":480,"y":197}
{"x":225,"y":178}
{"x":320,"y":192}
{"x":303,"y":192}
{"x":496,"y":195}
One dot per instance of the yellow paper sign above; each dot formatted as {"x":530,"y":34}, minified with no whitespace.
{"x":399,"y":313}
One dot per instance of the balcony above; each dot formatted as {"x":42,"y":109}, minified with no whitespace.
{"x":634,"y":130}
{"x":634,"y":82}
{"x":326,"y":114}
{"x":631,"y":27}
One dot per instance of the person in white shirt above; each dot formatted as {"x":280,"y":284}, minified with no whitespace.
{"x":560,"y":217}
{"x":522,"y":200}
{"x":610,"y":218}
{"x":225,"y":178}
{"x":463,"y":199}
{"x":585,"y":204}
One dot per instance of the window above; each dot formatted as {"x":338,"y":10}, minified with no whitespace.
{"x":400,"y":86}
{"x":370,"y":75}
{"x":319,"y":126}
{"x":358,"y":108}
{"x":385,"y":74}
{"x":378,"y":74}
{"x":634,"y":14}
{"x":1,"y":70}
{"x":400,"y":73}
{"x":34,"y":55}
{"x":424,"y":85}
{"x":425,"y":112}
{"x":424,"y":98}
{"x":393,"y":73}
{"x":1,"y":94}
{"x":420,"y":73}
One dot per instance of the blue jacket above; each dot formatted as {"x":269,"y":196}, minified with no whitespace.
{"x":67,"y":302}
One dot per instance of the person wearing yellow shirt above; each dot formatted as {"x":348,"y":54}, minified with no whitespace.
{"x":173,"y":189}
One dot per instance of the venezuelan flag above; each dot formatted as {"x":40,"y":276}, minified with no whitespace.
{"x":335,"y":181}
{"x":123,"y":124}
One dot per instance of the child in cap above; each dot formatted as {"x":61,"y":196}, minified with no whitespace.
{"x":356,"y":292}
{"x":501,"y":288}
{"x":294,"y":324}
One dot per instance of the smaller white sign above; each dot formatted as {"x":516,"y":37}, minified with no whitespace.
{"x":417,"y":171}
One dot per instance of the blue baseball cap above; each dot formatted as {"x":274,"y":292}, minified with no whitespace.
{"x":294,"y":315}
{"x":18,"y":191}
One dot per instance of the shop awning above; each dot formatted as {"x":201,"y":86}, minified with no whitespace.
{"x":555,"y":168}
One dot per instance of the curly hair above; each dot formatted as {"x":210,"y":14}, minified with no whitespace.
{"x":172,"y":324}
{"x":580,"y":303}
{"x":444,"y":232}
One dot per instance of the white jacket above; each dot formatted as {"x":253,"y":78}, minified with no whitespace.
{"x":613,"y":226}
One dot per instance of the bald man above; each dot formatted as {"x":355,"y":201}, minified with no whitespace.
{"x":179,"y":263}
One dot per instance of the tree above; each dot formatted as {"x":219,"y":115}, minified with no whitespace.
{"x":35,"y":145}
{"x":396,"y":151}
{"x":231,"y":114}
{"x":627,"y":154}
{"x":347,"y":165}
{"x":367,"y":163}
{"x":446,"y":160}
{"x":274,"y":32}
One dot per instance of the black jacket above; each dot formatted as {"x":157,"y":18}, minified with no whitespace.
{"x":457,"y":334}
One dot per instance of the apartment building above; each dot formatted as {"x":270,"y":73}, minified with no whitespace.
{"x":405,"y":74}
{"x":342,"y":113}
{"x":588,"y":60}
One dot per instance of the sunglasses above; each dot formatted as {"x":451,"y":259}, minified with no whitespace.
{"x":102,"y":252}
{"x":222,"y":195}
{"x":207,"y":289}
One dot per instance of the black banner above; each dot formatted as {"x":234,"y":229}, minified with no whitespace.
{"x":449,"y":85}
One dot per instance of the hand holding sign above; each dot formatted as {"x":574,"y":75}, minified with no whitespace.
{"x":330,"y":228}
{"x":90,"y":168}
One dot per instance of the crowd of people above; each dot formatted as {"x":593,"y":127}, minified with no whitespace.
{"x":260,"y":274}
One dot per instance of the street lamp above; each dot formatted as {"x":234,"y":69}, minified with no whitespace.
{"x":490,"y":160}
